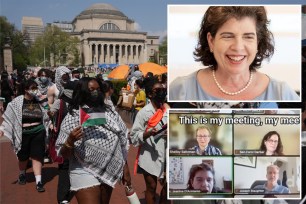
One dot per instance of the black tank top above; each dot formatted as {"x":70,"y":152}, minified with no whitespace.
{"x":31,"y":112}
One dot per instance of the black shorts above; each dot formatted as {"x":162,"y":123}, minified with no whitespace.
{"x":32,"y":145}
{"x":141,"y":170}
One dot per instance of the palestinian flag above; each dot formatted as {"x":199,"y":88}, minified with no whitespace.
{"x":90,"y":117}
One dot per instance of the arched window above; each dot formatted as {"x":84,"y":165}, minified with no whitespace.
{"x":109,"y":27}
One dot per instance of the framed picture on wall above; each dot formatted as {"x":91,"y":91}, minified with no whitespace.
{"x":176,"y":171}
{"x":210,"y":162}
{"x":246,"y":161}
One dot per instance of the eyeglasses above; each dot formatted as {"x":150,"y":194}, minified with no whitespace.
{"x":203,"y":137}
{"x":273,"y":141}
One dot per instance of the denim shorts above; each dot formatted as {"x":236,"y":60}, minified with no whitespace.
{"x":80,"y":178}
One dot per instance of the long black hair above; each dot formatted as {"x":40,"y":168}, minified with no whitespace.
{"x":81,"y":94}
{"x":148,"y":84}
{"x":107,"y":86}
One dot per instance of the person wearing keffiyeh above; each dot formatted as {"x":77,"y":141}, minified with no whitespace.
{"x":26,"y":124}
{"x":97,"y":153}
{"x":47,"y":90}
{"x":57,"y":112}
{"x":61,"y":78}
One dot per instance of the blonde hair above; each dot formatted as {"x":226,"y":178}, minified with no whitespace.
{"x":205,"y":128}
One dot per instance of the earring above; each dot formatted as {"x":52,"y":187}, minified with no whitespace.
{"x":211,"y":50}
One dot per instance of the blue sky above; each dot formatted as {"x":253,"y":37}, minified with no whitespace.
{"x":150,"y":15}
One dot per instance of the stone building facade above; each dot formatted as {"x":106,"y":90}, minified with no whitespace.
{"x":33,"y":26}
{"x":108,"y":36}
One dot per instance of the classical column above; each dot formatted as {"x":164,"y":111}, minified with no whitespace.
{"x":96,"y":54}
{"x":87,"y":53}
{"x":131,"y":57}
{"x":114,"y":54}
{"x":140,"y":55}
{"x":108,"y":54}
{"x":137,"y":57}
{"x":126,"y":54}
{"x":90,"y":53}
{"x":93,"y":53}
{"x":120,"y":54}
{"x":144,"y":53}
{"x":102,"y":54}
{"x":133,"y":54}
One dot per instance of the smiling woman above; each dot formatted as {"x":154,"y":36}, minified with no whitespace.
{"x":271,"y":144}
{"x":233,"y":41}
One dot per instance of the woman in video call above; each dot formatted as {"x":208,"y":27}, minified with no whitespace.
{"x":203,"y":135}
{"x":202,"y":177}
{"x":233,"y":42}
{"x":272,"y":144}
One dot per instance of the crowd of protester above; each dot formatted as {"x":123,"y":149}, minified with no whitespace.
{"x":41,"y":113}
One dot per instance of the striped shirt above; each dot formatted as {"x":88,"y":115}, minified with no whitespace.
{"x":209,"y":150}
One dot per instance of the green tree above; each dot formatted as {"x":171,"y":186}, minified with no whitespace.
{"x":76,"y":59}
{"x":20,"y":51}
{"x":153,"y":58}
{"x":163,"y":51}
{"x":55,"y":45}
{"x":37,"y":53}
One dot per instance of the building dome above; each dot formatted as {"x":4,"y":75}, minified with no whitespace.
{"x":108,"y":36}
{"x":101,"y":8}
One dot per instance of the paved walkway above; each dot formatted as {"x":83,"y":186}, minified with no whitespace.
{"x":12,"y":192}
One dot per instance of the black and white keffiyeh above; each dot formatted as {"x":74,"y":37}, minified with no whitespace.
{"x":102,"y":150}
{"x":43,"y":87}
{"x":60,"y":71}
{"x":12,"y":123}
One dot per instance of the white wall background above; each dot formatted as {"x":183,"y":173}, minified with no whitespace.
{"x":285,"y":65}
{"x":245,"y":176}
{"x":222,"y":166}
